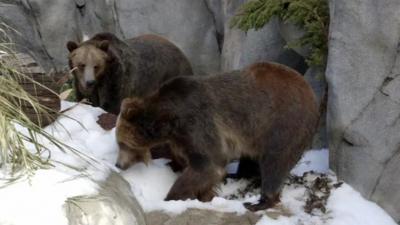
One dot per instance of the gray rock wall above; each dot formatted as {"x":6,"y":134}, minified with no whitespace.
{"x":200,"y":28}
{"x":363,"y":107}
{"x":239,"y":49}
{"x":187,"y":23}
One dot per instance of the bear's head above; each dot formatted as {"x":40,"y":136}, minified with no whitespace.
{"x":88,"y":61}
{"x":140,"y":126}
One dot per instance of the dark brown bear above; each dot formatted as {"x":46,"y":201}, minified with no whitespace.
{"x":107,"y":69}
{"x":266,"y":112}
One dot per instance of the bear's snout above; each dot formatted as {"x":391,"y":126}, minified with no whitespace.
{"x":125,"y":159}
{"x":90,"y":84}
{"x":121,"y":166}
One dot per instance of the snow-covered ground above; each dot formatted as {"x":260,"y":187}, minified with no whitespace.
{"x":40,"y":200}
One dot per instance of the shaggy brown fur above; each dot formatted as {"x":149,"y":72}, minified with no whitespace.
{"x":107,"y":69}
{"x":266,"y":112}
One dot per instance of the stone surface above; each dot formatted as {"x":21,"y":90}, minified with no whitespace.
{"x":189,"y":24}
{"x":388,"y":184}
{"x":114,"y":204}
{"x":23,"y":31}
{"x":107,"y":121}
{"x":59,"y":21}
{"x":363,"y":107}
{"x":240,"y":49}
{"x":46,"y":26}
{"x":201,"y":29}
{"x":201,"y":217}
{"x":315,"y":76}
{"x":291,"y":33}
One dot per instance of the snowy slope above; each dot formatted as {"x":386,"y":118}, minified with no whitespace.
{"x":151,"y":183}
{"x":40,"y":199}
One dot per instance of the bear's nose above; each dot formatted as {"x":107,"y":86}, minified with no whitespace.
{"x":119,"y":166}
{"x":90,"y":84}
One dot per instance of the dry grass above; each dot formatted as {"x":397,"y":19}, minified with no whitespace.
{"x":15,"y":156}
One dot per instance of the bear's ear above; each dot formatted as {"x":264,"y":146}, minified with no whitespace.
{"x":103,"y":45}
{"x":71,"y":46}
{"x":130,"y":106}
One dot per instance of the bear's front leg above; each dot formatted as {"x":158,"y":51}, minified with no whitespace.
{"x":194,"y":184}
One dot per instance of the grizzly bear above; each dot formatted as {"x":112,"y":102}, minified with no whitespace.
{"x":107,"y":69}
{"x":266,"y":112}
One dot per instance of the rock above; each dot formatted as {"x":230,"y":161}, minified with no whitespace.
{"x":114,"y":204}
{"x":292,"y":33}
{"x":189,"y":24}
{"x":58,"y":22}
{"x":241,"y":48}
{"x":107,"y":121}
{"x":201,"y":217}
{"x":50,"y":24}
{"x":201,"y":29}
{"x":363,"y":108}
{"x":391,"y":88}
{"x":389,"y":183}
{"x":315,"y":76}
{"x":22,"y":31}
{"x":215,"y":7}
{"x":45,"y":27}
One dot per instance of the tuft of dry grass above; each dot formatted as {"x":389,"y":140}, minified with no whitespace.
{"x":15,"y":156}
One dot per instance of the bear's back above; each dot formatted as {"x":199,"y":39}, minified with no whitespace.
{"x":262,"y":97}
{"x":153,"y":47}
{"x":265,"y":84}
{"x":257,"y":96}
{"x":157,"y":61}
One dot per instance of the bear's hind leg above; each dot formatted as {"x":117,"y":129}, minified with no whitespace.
{"x":273,"y":173}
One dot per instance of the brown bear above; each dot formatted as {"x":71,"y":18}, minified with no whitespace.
{"x":107,"y":69}
{"x":266,"y":112}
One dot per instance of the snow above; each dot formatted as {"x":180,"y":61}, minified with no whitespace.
{"x":345,"y":207}
{"x":40,"y":201}
{"x":315,"y":160}
{"x":43,"y":197}
{"x":349,"y":207}
{"x":151,"y":183}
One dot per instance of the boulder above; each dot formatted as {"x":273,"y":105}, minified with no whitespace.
{"x":46,"y":26}
{"x":292,"y":33}
{"x":201,"y":217}
{"x":363,"y":107}
{"x":21,"y":30}
{"x":243,"y":48}
{"x":189,"y":24}
{"x":114,"y":204}
{"x":315,"y":76}
{"x":201,"y":29}
{"x":59,"y":21}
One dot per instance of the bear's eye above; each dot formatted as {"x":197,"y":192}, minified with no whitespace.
{"x":81,"y":66}
{"x":96,"y":67}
